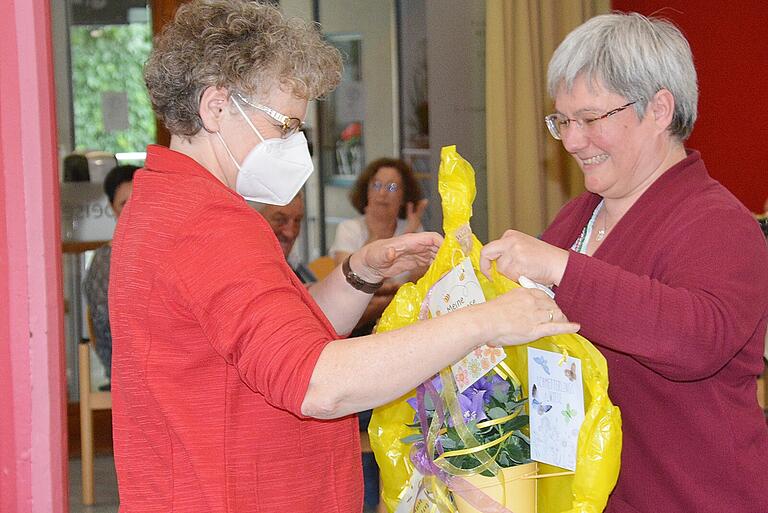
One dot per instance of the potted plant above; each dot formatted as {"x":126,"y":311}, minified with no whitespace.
{"x":489,"y":422}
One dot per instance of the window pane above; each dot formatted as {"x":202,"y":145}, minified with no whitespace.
{"x":112,"y":111}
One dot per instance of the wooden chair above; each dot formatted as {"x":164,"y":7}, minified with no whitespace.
{"x":322,"y":266}
{"x":89,"y":401}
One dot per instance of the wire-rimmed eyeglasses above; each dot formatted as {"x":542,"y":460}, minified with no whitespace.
{"x":390,"y":187}
{"x":557,"y":123}
{"x":288,"y":125}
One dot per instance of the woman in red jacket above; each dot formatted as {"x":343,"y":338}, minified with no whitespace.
{"x":231,"y":392}
{"x":665,"y":270}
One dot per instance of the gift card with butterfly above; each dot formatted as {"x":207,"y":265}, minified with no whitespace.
{"x":460,"y":288}
{"x":556,"y":405}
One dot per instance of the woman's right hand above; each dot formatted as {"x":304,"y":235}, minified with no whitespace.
{"x":523,"y":315}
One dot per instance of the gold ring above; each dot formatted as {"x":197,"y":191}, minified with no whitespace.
{"x":551,"y":316}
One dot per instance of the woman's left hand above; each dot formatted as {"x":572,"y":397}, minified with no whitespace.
{"x":517,"y":254}
{"x":387,"y":258}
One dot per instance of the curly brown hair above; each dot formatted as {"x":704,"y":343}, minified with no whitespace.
{"x":241,"y":45}
{"x":358,"y":196}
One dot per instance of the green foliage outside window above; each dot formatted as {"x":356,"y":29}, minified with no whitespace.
{"x":111,"y":58}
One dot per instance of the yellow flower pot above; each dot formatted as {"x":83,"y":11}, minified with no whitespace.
{"x":509,"y":488}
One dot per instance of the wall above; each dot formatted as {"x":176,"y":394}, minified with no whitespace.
{"x":32,"y":406}
{"x":374,"y":21}
{"x":729,"y":46}
{"x":456,"y":85}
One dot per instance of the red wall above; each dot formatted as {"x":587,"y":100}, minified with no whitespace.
{"x":730,"y":49}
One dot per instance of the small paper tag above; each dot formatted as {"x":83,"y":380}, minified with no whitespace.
{"x":458,"y":289}
{"x":556,"y":405}
{"x":463,"y":236}
{"x":415,"y":498}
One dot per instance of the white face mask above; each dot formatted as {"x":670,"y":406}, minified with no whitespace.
{"x":275,"y":170}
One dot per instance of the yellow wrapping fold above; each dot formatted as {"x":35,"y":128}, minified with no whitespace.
{"x":599,"y":445}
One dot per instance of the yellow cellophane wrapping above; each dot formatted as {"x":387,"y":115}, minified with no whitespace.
{"x":599,"y":446}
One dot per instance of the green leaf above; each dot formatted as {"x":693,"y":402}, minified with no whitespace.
{"x":497,"y":413}
{"x":448,"y":444}
{"x":516,"y":454}
{"x":523,"y":437}
{"x":518,"y":422}
{"x":499,"y":396}
{"x":410,"y":439}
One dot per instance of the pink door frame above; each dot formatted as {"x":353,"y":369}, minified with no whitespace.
{"x":33,"y":446}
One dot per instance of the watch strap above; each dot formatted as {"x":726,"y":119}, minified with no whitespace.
{"x":356,"y":281}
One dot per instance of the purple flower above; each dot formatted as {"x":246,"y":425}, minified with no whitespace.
{"x":490,"y":386}
{"x":437,"y":383}
{"x":472,"y":406}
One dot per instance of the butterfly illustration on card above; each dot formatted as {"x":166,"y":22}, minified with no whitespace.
{"x":541,"y":408}
{"x":542,"y":362}
{"x":570,"y":373}
{"x":569,"y":413}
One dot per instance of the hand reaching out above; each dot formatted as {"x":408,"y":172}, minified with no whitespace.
{"x":517,"y":254}
{"x":523,"y":315}
{"x":387,"y":258}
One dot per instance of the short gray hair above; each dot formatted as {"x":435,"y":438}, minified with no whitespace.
{"x":245,"y":46}
{"x":633,"y":56}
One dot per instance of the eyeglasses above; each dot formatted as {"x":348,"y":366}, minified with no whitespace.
{"x":288,"y":125}
{"x":390,"y":187}
{"x":557,"y":123}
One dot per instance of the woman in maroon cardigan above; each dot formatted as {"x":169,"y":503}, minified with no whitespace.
{"x":665,"y":270}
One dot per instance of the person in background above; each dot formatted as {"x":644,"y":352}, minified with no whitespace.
{"x":663,"y":267}
{"x":286,"y":223}
{"x":388,"y":197}
{"x":118,"y":185}
{"x":234,"y":390}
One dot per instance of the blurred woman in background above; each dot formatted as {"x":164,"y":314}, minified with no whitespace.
{"x":388,"y":198}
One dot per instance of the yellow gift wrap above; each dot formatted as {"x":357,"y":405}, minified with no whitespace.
{"x":599,"y":441}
